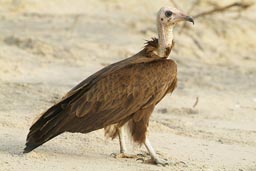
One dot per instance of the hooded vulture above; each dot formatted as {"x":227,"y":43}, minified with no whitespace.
{"x":122,"y":93}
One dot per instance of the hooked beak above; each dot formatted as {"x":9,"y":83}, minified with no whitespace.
{"x":190,"y":19}
{"x":183,"y":17}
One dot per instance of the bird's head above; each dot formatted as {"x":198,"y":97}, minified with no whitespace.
{"x":168,"y":16}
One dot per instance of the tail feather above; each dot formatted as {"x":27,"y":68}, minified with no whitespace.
{"x":30,"y":145}
{"x":45,"y":128}
{"x":53,"y":111}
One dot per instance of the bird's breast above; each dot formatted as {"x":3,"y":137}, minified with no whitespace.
{"x":156,"y":77}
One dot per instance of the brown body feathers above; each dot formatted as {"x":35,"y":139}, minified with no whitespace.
{"x":124,"y":92}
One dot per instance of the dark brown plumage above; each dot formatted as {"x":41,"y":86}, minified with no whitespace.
{"x":126,"y":91}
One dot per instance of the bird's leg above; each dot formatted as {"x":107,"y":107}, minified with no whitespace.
{"x":123,"y":149}
{"x":154,"y":158}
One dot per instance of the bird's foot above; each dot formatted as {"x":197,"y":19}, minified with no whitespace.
{"x":156,"y":161}
{"x":143,"y":154}
{"x":161,"y":162}
{"x":123,"y":155}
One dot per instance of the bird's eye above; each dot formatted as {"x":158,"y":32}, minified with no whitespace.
{"x":168,"y":13}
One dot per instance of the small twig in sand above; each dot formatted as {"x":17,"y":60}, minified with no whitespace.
{"x":223,"y":8}
{"x":196,"y":102}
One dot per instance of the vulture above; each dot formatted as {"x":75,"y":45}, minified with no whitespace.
{"x":123,"y":93}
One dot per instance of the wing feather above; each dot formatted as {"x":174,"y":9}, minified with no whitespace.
{"x":117,"y":96}
{"x":111,"y":95}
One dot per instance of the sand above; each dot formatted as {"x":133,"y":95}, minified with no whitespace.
{"x":47,"y":47}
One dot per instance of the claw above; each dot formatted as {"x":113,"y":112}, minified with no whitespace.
{"x":123,"y":155}
{"x":113,"y":155}
{"x":143,"y":154}
{"x":159,"y":162}
{"x":141,"y":159}
{"x":162,"y":162}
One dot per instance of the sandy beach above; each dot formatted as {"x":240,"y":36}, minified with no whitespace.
{"x":47,"y":47}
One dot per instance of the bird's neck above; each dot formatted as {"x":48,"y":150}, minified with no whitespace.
{"x":165,"y":37}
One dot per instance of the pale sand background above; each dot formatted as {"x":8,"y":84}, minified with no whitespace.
{"x":48,"y":46}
